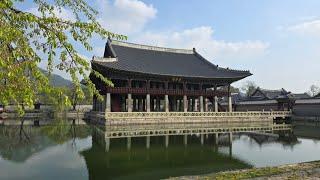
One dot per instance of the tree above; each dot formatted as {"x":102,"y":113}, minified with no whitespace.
{"x":232,"y":89}
{"x":74,"y":98}
{"x":314,"y":90}
{"x":249,"y":87}
{"x":27,"y":39}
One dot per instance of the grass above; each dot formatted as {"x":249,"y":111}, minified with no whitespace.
{"x":292,"y":170}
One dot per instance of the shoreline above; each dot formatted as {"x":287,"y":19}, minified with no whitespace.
{"x":306,"y":170}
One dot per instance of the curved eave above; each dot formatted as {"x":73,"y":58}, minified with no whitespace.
{"x":233,"y":78}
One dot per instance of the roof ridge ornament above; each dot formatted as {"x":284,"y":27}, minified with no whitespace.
{"x":153,"y":48}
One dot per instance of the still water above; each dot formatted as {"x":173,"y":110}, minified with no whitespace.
{"x":76,"y":152}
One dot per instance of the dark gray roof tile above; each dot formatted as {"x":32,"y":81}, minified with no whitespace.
{"x":164,"y":61}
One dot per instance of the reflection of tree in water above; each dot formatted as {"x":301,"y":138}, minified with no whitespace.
{"x":287,"y":139}
{"x":18,"y":143}
{"x":62,"y":130}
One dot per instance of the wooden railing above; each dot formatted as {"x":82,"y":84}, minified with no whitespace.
{"x":133,"y":115}
{"x":126,"y":90}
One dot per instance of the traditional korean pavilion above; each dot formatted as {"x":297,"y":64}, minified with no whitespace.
{"x":156,"y":79}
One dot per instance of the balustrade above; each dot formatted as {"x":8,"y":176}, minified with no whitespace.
{"x":126,"y":90}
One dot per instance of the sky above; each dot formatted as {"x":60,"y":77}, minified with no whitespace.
{"x":278,"y":41}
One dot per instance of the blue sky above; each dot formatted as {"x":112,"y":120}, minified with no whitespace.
{"x":278,"y":41}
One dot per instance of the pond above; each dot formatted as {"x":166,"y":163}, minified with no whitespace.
{"x":76,"y":152}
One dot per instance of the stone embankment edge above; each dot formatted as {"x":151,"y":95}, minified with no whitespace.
{"x":307,"y":170}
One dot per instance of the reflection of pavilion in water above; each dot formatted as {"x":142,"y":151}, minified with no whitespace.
{"x":157,"y":157}
{"x":106,"y":133}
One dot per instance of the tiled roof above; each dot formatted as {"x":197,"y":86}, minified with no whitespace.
{"x":301,"y":96}
{"x":163,"y":61}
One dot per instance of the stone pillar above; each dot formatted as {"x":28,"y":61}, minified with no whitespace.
{"x":195,"y":104}
{"x":201,"y":139}
{"x":185,"y":140}
{"x":166,"y":102}
{"x":216,"y":138}
{"x":229,"y":99}
{"x":148,"y":103}
{"x":185,"y":103}
{"x":129,"y":103}
{"x":201,"y":104}
{"x":230,"y":138}
{"x":107,"y":144}
{"x":230,"y":144}
{"x":128,"y":143}
{"x":148,"y":142}
{"x":216,"y":108}
{"x":230,"y":103}
{"x":108,"y":102}
{"x":167,"y":140}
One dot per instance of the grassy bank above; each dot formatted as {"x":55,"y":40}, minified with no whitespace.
{"x":293,"y":171}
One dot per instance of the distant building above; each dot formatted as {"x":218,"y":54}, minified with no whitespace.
{"x":301,"y":96}
{"x":264,"y":99}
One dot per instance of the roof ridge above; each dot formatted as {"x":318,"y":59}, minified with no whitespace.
{"x":153,"y":48}
{"x":271,"y":90}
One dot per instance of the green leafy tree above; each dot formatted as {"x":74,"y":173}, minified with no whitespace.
{"x":27,"y":39}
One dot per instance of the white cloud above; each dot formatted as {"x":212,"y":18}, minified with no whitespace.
{"x":203,"y":40}
{"x":125,"y":16}
{"x":309,"y":27}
